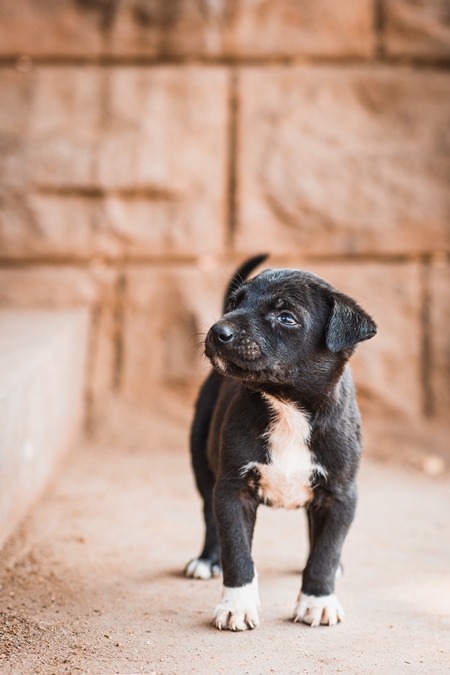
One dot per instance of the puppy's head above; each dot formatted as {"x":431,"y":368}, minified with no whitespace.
{"x":284,"y":327}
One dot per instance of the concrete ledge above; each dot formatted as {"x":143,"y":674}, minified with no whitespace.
{"x":42,"y":368}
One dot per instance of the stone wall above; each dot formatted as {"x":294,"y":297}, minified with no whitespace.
{"x":148,"y":146}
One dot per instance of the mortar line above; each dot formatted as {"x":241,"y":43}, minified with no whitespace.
{"x":98,"y":192}
{"x":118,"y":331}
{"x":379,"y":29}
{"x":224,"y":258}
{"x":431,"y":63}
{"x":428,"y":403}
{"x":232,"y":177}
{"x":91,"y":357}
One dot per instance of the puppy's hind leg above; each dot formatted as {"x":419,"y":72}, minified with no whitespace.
{"x":207,"y":564}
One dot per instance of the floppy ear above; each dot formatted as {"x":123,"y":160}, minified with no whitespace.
{"x":348,"y":324}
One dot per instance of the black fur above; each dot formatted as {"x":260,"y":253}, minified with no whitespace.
{"x":289,"y":334}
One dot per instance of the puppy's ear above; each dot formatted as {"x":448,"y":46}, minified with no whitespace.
{"x":348,"y":324}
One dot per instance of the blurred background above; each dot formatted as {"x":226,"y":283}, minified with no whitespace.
{"x":148,"y":147}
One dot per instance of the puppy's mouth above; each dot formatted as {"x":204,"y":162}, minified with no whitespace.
{"x":244,"y":370}
{"x":224,"y":364}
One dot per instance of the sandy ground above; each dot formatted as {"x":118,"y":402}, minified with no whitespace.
{"x":92,"y":582}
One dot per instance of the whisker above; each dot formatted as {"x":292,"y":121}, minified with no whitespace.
{"x":194,"y":335}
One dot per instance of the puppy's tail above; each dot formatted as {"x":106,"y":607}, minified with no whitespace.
{"x":242,"y":273}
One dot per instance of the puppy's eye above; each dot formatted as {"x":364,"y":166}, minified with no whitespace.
{"x":231,"y":304}
{"x":287,"y":319}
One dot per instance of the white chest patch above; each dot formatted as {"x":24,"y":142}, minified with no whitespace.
{"x":285,"y":482}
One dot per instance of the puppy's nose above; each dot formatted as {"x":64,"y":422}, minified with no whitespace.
{"x":222,"y":333}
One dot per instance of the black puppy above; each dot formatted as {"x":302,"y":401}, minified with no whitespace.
{"x":277,"y":423}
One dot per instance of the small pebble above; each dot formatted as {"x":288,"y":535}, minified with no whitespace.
{"x":433,"y":465}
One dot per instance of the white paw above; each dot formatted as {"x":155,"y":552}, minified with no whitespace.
{"x":201,"y":569}
{"x":238,"y":609}
{"x":324,"y":609}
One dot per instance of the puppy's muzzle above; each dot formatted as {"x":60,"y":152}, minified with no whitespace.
{"x":232,"y":342}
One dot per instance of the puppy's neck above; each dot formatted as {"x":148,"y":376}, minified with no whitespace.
{"x":305,"y":397}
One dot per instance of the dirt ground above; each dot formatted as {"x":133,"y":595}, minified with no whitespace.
{"x":92,"y":582}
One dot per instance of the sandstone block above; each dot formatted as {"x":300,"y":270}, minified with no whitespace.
{"x":167,"y":312}
{"x":65,"y":119}
{"x":343,"y":160}
{"x":17,"y":91}
{"x":16,"y":97}
{"x":147,"y":177}
{"x":48,"y":287}
{"x":46,"y":225}
{"x":163,"y":160}
{"x":243,"y":28}
{"x":300,"y":27}
{"x":51,"y":28}
{"x":440,"y":340}
{"x":417,"y":28}
{"x":49,"y":124}
{"x":142,"y":27}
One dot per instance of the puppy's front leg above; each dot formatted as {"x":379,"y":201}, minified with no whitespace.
{"x":329,"y":521}
{"x":235,"y":510}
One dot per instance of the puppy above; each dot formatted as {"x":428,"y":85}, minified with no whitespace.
{"x":277,"y":423}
